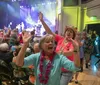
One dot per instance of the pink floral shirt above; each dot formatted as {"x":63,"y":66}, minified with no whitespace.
{"x":60,"y":44}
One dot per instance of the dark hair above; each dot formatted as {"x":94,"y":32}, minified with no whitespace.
{"x":70,"y":28}
{"x":33,"y":32}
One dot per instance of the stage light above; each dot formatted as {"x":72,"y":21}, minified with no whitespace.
{"x":13,"y":0}
{"x":55,"y":2}
{"x":43,"y":3}
{"x":30,"y":16}
{"x":32,"y":8}
{"x":21,"y":6}
{"x":35,"y":5}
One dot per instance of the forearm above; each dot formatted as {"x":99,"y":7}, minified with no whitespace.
{"x":46,"y":28}
{"x":76,"y":59}
{"x":21,"y":55}
{"x":69,"y":53}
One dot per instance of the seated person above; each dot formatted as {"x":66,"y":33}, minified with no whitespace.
{"x":5,"y":54}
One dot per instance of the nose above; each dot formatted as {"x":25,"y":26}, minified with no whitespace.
{"x":50,"y":42}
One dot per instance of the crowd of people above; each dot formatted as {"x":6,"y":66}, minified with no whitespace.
{"x":54,"y":58}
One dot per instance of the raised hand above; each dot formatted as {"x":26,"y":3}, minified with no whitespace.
{"x":60,"y":52}
{"x":40,"y":16}
{"x":26,"y":37}
{"x":75,"y":44}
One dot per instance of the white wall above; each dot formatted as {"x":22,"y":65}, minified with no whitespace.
{"x":93,"y":8}
{"x":92,"y":3}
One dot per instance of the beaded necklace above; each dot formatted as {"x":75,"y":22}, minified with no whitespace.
{"x":43,"y":78}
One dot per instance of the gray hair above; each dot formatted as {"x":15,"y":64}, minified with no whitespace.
{"x":28,"y":50}
{"x":4,"y":47}
{"x":44,"y":38}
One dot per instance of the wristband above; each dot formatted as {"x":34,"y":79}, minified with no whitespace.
{"x":75,"y":51}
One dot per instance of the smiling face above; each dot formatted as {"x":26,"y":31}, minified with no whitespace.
{"x":47,"y":44}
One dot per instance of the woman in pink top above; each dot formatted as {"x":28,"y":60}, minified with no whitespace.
{"x":65,"y":46}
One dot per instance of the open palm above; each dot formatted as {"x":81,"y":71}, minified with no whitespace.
{"x":75,"y":44}
{"x":26,"y":37}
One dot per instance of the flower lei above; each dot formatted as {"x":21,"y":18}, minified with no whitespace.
{"x":44,"y":77}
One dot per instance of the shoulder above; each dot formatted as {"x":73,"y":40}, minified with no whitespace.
{"x":60,"y":56}
{"x":58,"y":37}
{"x":37,"y":55}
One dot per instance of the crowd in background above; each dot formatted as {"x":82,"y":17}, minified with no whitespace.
{"x":11,"y":42}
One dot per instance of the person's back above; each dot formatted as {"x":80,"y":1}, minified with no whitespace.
{"x":5,"y":54}
{"x":5,"y":59}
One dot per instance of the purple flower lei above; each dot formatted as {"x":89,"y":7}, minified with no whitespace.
{"x":44,"y":78}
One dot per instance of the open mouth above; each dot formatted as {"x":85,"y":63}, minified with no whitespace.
{"x":50,"y":48}
{"x":68,"y":35}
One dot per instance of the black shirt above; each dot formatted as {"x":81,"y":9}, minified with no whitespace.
{"x":6,"y":56}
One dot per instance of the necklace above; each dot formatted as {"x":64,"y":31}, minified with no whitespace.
{"x":44,"y":77}
{"x":63,"y":45}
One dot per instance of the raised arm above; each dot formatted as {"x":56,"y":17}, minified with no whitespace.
{"x":20,"y":58}
{"x":46,"y":27}
{"x":76,"y":53}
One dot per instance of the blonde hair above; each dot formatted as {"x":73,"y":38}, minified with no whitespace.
{"x":46,"y":37}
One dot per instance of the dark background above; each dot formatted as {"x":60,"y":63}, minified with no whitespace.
{"x":94,"y":27}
